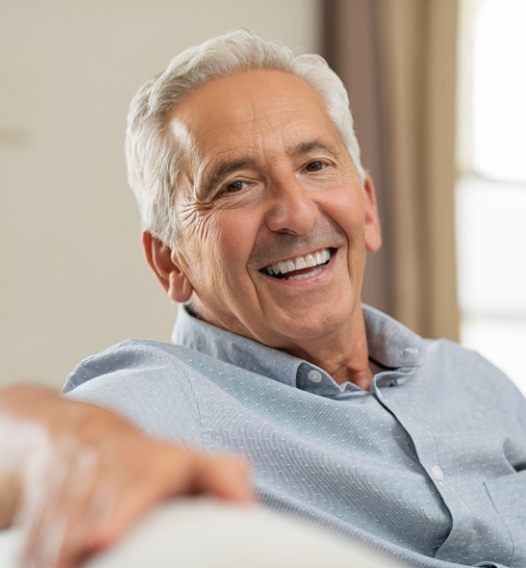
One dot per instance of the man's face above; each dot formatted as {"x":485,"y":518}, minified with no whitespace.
{"x":274,"y":221}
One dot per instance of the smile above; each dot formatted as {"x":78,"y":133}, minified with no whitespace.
{"x":300,"y":267}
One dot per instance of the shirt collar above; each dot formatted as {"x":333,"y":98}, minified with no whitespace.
{"x":391,"y":345}
{"x":198,"y":335}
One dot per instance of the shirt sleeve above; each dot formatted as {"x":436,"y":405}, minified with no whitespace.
{"x":144,"y":382}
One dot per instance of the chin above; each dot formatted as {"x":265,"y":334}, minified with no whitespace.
{"x":312,"y":326}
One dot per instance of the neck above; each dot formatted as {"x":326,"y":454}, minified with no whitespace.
{"x":344,"y":355}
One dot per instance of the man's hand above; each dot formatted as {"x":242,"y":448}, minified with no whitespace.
{"x":79,"y":476}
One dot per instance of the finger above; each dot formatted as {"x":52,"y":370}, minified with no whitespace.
{"x":84,"y":509}
{"x":61,"y":509}
{"x":226,"y":477}
{"x":43,"y":492}
{"x":191,"y":472}
{"x":174,"y":471}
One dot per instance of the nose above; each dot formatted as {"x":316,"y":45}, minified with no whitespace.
{"x":292,"y":208}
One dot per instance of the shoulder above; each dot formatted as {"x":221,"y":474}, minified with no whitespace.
{"x":147,"y":381}
{"x":448,"y":357}
{"x":467,"y":373}
{"x":126,"y":359}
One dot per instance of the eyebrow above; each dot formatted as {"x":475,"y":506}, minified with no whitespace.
{"x":223,"y":169}
{"x":314,"y":146}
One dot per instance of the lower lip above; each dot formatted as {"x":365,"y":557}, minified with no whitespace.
{"x":306,"y":278}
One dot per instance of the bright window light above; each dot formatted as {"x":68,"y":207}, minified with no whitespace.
{"x":499,"y":81}
{"x":491,"y":194}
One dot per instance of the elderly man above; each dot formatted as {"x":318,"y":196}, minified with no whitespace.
{"x":257,"y":216}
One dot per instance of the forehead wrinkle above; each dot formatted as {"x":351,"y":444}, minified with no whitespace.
{"x":274,"y":142}
{"x":222,"y":167}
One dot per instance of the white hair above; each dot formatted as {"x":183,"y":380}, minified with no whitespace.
{"x":151,"y":154}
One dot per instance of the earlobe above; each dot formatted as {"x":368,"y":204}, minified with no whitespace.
{"x":168,"y":270}
{"x":180,"y":288}
{"x":373,"y":233}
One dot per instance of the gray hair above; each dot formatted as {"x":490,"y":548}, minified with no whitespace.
{"x":151,"y":154}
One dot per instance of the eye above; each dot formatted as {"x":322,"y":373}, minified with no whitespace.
{"x":316,"y":166}
{"x":234,"y":186}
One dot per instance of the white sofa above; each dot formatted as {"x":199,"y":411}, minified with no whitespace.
{"x":204,"y":533}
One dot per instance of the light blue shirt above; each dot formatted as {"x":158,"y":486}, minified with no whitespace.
{"x":428,"y":466}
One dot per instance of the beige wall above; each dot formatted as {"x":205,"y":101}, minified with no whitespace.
{"x":73,"y":279}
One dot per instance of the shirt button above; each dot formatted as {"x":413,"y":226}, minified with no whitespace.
{"x":409,"y":351}
{"x":438,"y":474}
{"x":314,"y":376}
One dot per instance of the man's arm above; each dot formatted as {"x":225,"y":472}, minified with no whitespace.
{"x":83,"y":475}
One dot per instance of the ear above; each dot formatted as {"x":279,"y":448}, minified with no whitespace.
{"x":168,"y":269}
{"x":373,"y":233}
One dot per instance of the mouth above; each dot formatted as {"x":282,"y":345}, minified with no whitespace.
{"x":300,"y":267}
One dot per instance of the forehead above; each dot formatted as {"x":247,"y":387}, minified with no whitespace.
{"x":253,"y":111}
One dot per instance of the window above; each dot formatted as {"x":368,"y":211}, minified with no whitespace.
{"x":491,"y":190}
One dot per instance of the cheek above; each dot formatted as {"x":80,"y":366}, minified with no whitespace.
{"x":346,"y":208}
{"x":228,"y":244}
{"x":239,"y":229}
{"x":202,"y":237}
{"x":219,"y":243}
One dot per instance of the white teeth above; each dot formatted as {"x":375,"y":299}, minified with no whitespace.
{"x":310,"y":261}
{"x":299,"y":263}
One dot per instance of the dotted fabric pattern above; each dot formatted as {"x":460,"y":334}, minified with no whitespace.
{"x":428,"y":466}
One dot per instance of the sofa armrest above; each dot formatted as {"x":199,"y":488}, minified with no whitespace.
{"x":206,"y":533}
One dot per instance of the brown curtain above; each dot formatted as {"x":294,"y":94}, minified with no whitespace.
{"x":398,"y":60}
